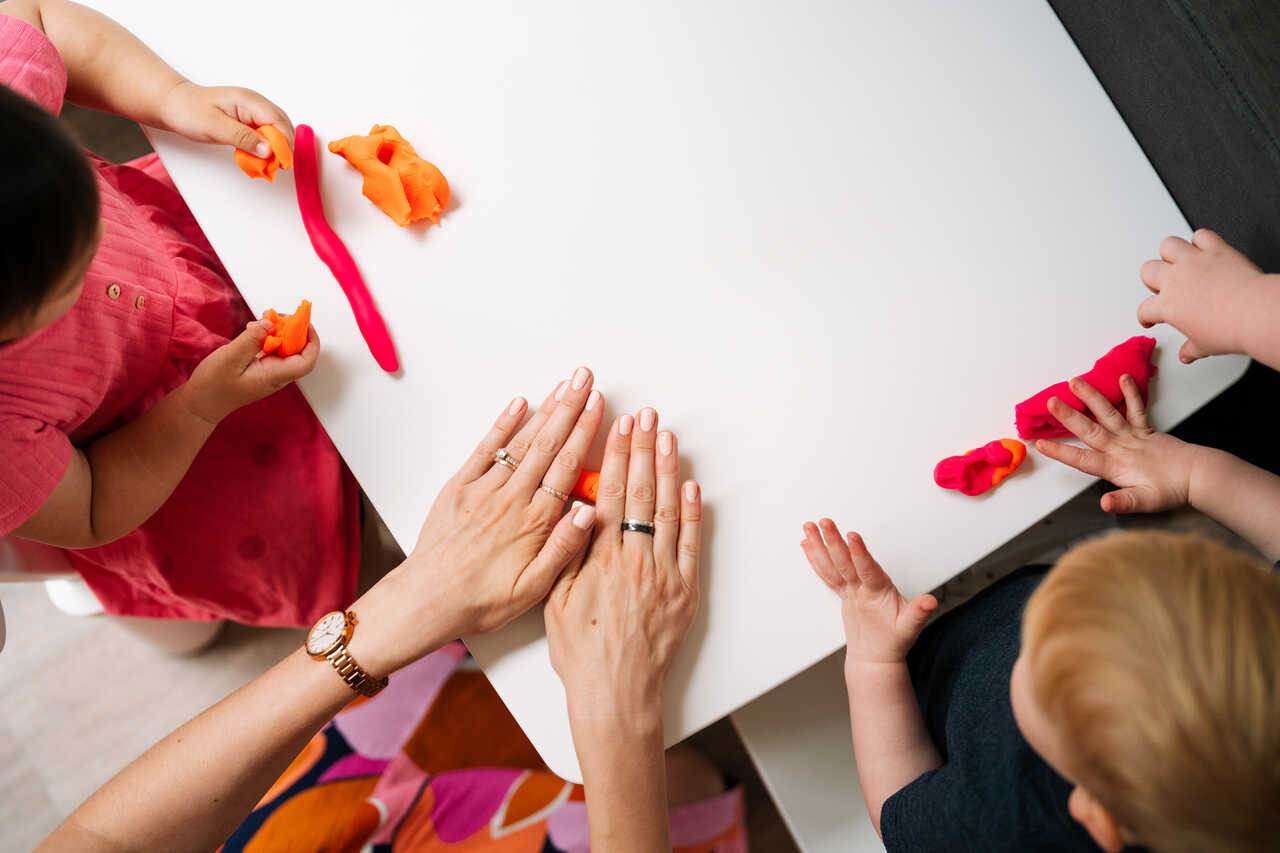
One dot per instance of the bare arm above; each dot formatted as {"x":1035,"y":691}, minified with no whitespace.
{"x":624,"y":773}
{"x":1241,"y":496}
{"x":118,"y":481}
{"x":890,"y":741}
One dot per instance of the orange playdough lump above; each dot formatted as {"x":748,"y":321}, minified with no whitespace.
{"x":288,"y":331}
{"x":402,"y":184}
{"x":587,"y":487}
{"x":281,"y":157}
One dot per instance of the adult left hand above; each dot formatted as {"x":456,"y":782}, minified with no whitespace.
{"x":223,"y":115}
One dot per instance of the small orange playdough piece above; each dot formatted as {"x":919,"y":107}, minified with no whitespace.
{"x":281,"y":157}
{"x":402,"y":184}
{"x":982,"y":468}
{"x":587,"y":487}
{"x":288,"y":331}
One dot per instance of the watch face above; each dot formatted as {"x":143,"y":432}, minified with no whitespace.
{"x":326,"y":632}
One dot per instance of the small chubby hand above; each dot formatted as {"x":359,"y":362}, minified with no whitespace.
{"x":237,"y":373}
{"x":880,"y":625}
{"x":1201,"y":289}
{"x":1153,"y":469}
{"x":223,"y":115}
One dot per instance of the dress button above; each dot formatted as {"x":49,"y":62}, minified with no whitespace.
{"x":140,"y":301}
{"x":113,"y":290}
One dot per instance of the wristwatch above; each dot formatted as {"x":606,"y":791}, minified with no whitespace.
{"x":327,"y":640}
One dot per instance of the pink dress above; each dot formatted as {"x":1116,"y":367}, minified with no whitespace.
{"x":265,"y":527}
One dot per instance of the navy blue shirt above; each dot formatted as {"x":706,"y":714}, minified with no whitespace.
{"x":992,"y":792}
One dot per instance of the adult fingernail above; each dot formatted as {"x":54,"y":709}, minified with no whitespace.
{"x":584,"y":518}
{"x":664,"y":443}
{"x":516,"y":405}
{"x":262,"y":149}
{"x":580,"y":377}
{"x":564,"y":386}
{"x":691,"y":491}
{"x":593,"y":400}
{"x":648,"y":417}
{"x":624,"y":425}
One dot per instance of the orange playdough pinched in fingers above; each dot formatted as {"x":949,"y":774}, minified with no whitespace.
{"x":281,"y":157}
{"x":402,"y":184}
{"x":288,"y":331}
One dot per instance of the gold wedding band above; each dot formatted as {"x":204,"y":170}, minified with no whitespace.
{"x":502,"y":457}
{"x":555,"y":493}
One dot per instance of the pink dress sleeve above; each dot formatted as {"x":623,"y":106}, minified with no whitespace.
{"x":33,"y":458}
{"x":30,"y":64}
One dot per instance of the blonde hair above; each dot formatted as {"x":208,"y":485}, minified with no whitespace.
{"x":1156,"y":658}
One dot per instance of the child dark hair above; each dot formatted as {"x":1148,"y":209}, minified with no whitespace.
{"x":48,"y":205}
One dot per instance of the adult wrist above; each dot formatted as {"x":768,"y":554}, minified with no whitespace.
{"x":395,"y":628}
{"x":601,"y":717}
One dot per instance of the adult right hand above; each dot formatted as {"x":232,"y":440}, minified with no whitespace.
{"x":494,"y":541}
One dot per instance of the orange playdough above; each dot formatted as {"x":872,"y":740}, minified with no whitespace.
{"x":288,"y":331}
{"x":281,"y":157}
{"x":402,"y":184}
{"x":587,"y":487}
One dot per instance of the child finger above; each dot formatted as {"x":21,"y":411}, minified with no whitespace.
{"x":918,"y":611}
{"x":815,"y":551}
{"x":869,"y":572}
{"x":837,"y":548}
{"x":1204,"y":238}
{"x":1079,"y":425}
{"x":1153,"y":273}
{"x":1173,"y":248}
{"x":1130,"y":499}
{"x":481,"y":459}
{"x":1134,"y":409}
{"x":1189,"y":352}
{"x":1088,"y":461}
{"x":1098,"y":404}
{"x":1150,"y":311}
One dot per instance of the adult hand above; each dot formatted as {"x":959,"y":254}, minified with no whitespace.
{"x":1152,"y":468}
{"x":494,"y":541}
{"x":237,"y":373}
{"x":880,"y":625}
{"x":616,"y":619}
{"x":1202,"y":289}
{"x":223,"y":115}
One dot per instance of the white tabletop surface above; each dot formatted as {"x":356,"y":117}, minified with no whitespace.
{"x":831,"y":242}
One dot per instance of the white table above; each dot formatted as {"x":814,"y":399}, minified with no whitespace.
{"x":832,"y":242}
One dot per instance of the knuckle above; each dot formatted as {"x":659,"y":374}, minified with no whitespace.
{"x":666,"y":515}
{"x":546,"y":444}
{"x":569,"y":459}
{"x":611,"y":490}
{"x":689,"y":549}
{"x":641,"y":492}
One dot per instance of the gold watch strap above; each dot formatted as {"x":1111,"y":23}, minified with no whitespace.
{"x":355,"y":677}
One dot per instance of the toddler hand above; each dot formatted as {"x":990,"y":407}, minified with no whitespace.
{"x":1153,"y":468}
{"x":237,"y":373}
{"x":223,"y":115}
{"x":879,"y":624}
{"x":1200,"y":288}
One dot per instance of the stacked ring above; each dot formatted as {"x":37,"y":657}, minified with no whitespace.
{"x":555,"y":493}
{"x":638,"y":526}
{"x":502,"y":457}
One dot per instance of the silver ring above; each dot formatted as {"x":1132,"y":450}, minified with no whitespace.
{"x":502,"y":457}
{"x":638,"y":525}
{"x":555,"y":493}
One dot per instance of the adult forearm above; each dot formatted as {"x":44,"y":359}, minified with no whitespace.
{"x":136,"y":467}
{"x":890,"y":743}
{"x":624,"y":772}
{"x":192,"y":789}
{"x":108,"y":68}
{"x":1241,"y":496}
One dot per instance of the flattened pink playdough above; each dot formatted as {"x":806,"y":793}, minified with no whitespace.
{"x":981,"y":469}
{"x":1132,"y":357}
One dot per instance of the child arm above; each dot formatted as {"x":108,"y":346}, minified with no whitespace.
{"x":890,"y":742}
{"x":1157,"y":472}
{"x":115,"y":483}
{"x":1215,"y":296}
{"x":109,"y":68}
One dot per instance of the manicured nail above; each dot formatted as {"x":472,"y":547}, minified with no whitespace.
{"x":516,"y":405}
{"x":262,"y":149}
{"x":580,"y":377}
{"x":593,"y":400}
{"x":624,"y":424}
{"x":564,"y":386}
{"x":648,"y":417}
{"x":691,"y":491}
{"x":664,"y":443}
{"x":584,"y":517}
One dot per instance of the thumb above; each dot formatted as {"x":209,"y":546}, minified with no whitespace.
{"x":228,"y":131}
{"x":1190,"y":352}
{"x":561,"y":556}
{"x":919,"y":609}
{"x":1130,"y":499}
{"x":244,"y":347}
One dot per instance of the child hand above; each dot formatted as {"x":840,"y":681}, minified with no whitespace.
{"x":1153,"y":468}
{"x":1200,"y":289}
{"x":879,"y":624}
{"x":238,"y":373}
{"x":223,"y":115}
